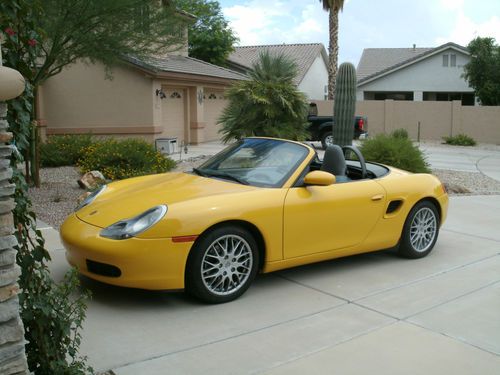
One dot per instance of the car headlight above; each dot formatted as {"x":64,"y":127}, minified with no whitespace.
{"x":124,"y":229}
{"x":90,"y":198}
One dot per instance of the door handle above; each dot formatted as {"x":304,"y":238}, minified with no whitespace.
{"x":377,"y":197}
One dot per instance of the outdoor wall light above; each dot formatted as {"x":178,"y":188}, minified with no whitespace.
{"x":160,"y":93}
{"x":200,"y":96}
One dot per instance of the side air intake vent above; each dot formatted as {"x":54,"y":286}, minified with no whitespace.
{"x":393,"y":206}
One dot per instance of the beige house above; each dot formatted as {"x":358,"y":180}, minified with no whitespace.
{"x":173,"y":97}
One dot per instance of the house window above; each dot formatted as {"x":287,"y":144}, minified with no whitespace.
{"x":175,"y":95}
{"x":445,"y":60}
{"x":212,"y":96}
{"x":453,"y":60}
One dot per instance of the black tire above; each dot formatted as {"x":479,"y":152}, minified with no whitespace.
{"x":326,"y":139}
{"x":216,"y":274}
{"x":420,"y":231}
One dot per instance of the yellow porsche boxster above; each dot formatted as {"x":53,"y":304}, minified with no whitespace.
{"x":260,"y":205}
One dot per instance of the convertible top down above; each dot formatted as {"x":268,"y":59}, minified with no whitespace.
{"x":260,"y":205}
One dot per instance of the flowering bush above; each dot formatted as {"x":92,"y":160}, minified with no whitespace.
{"x":63,"y":149}
{"x":123,"y":159}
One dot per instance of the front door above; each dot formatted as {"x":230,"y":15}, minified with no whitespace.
{"x":326,"y":218}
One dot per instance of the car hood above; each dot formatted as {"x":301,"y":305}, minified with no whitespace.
{"x":128,"y":198}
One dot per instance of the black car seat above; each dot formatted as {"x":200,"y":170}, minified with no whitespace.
{"x":334,"y":163}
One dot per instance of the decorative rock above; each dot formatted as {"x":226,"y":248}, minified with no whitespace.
{"x":7,"y":242}
{"x":6,"y":224}
{"x":5,"y":174}
{"x":8,"y":291}
{"x":6,"y":151}
{"x":14,"y":366}
{"x":7,"y":190}
{"x":9,"y":353}
{"x":7,"y":257}
{"x":9,"y":275}
{"x":6,"y":206}
{"x":11,"y":331}
{"x":12,"y":83}
{"x":5,"y":137}
{"x":4,"y":163}
{"x":91,"y":180}
{"x":9,"y":311}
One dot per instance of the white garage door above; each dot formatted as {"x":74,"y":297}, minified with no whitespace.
{"x":214,"y":104}
{"x":173,"y":113}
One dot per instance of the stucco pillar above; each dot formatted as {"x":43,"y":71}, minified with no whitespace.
{"x":196,"y":115}
{"x":388,"y":115}
{"x":418,"y":96}
{"x":456,"y":117}
{"x":12,"y":354}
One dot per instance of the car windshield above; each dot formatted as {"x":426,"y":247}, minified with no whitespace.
{"x":256,"y":162}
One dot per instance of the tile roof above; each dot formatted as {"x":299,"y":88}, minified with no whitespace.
{"x":376,"y":61}
{"x":187,"y":65}
{"x":303,"y":55}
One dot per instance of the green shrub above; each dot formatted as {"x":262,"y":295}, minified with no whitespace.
{"x":123,"y":159}
{"x":400,"y":133}
{"x":395,"y":151}
{"x":62,"y":150}
{"x":460,"y":140}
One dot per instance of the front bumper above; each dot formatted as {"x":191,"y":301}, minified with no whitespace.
{"x":157,"y":264}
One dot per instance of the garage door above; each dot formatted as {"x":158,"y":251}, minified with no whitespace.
{"x":214,"y":104}
{"x":173,"y":112}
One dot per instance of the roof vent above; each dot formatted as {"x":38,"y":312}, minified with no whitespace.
{"x":414,"y":46}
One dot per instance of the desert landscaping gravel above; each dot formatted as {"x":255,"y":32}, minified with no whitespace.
{"x":59,"y":191}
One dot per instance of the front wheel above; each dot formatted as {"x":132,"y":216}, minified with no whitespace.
{"x":222,"y":265}
{"x":420,"y":231}
{"x":327,"y":140}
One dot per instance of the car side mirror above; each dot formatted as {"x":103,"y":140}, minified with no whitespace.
{"x":319,"y":178}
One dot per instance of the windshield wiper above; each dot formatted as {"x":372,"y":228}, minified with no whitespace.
{"x":199,"y":172}
{"x":219,"y":174}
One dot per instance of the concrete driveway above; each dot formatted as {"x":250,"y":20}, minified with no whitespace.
{"x":373,"y":313}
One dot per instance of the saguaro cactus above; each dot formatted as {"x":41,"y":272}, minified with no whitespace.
{"x":345,"y":105}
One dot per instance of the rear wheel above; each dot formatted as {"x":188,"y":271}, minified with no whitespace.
{"x":326,"y":140}
{"x":420,"y":231}
{"x":222,"y":264}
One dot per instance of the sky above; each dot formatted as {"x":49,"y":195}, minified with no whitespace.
{"x":364,"y":23}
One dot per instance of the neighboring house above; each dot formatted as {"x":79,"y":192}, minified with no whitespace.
{"x":414,"y":74}
{"x":311,"y":60}
{"x":171,"y":97}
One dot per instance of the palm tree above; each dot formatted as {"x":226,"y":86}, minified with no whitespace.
{"x":268,"y":104}
{"x":333,"y":7}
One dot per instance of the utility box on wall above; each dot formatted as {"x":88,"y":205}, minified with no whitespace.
{"x":166,"y":145}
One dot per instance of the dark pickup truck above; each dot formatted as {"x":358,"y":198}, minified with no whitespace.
{"x":320,"y":127}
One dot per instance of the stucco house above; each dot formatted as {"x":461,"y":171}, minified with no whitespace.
{"x":171,"y":97}
{"x":311,"y":60}
{"x":417,"y":74}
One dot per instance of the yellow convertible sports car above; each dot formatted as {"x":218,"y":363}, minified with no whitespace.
{"x":260,"y":205}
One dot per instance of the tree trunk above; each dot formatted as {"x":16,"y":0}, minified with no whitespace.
{"x":333,"y":51}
